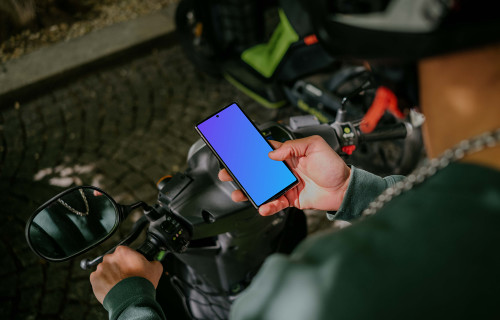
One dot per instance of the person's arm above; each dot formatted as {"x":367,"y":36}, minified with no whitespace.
{"x":124,"y":282}
{"x":363,"y":188}
{"x":133,"y":298}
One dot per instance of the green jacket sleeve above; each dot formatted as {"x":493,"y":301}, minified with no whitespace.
{"x":363,"y":188}
{"x":133,"y":298}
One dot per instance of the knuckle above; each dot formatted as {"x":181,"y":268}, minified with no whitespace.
{"x":108,"y":258}
{"x":97,"y":270}
{"x":316,"y":138}
{"x":159,"y":267}
{"x":121,"y":251}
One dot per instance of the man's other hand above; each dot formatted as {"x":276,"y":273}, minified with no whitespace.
{"x":123,"y":263}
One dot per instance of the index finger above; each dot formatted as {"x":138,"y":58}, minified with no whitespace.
{"x":274,"y":206}
{"x":224,"y":175}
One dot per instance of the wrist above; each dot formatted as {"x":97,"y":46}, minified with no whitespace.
{"x":345,"y":186}
{"x":341,"y":191}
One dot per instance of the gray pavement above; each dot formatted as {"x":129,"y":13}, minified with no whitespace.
{"x":119,"y":128}
{"x":35,"y":69}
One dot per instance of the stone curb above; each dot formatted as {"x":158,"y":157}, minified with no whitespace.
{"x":35,"y":71}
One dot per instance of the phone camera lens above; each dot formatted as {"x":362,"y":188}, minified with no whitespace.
{"x":217,"y":116}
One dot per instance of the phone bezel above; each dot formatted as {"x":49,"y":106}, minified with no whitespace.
{"x":278,"y":194}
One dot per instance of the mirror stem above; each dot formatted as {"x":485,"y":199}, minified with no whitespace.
{"x":126,"y":210}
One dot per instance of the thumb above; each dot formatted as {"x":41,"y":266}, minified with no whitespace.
{"x":157,"y":269}
{"x":158,"y":266}
{"x":289,"y":149}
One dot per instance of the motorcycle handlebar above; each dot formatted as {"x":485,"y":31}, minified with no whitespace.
{"x":341,"y":134}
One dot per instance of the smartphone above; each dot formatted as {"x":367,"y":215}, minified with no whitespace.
{"x":243,"y":150}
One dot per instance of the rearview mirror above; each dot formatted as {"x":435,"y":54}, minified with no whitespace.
{"x":71,"y":223}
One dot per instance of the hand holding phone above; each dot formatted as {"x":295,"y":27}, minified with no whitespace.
{"x":243,"y":150}
{"x":323,"y":176}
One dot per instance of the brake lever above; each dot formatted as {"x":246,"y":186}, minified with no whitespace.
{"x":137,"y":228}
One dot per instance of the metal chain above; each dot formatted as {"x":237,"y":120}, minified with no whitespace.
{"x":430,"y":167}
{"x":79,"y":213}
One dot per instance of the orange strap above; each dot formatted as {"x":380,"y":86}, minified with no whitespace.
{"x":384,"y":100}
{"x":310,"y":40}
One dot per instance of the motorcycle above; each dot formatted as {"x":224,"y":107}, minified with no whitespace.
{"x":211,"y":247}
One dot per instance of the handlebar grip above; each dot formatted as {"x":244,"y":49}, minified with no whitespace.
{"x":149,"y":250}
{"x":399,"y":131}
{"x":323,"y":130}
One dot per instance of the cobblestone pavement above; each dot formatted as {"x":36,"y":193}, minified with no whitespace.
{"x":119,"y":129}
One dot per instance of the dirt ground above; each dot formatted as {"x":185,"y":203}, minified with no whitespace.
{"x":61,"y":20}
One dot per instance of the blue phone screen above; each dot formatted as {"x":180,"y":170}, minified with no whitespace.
{"x":244,"y":151}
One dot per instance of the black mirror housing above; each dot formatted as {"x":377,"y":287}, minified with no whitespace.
{"x":72,"y":223}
